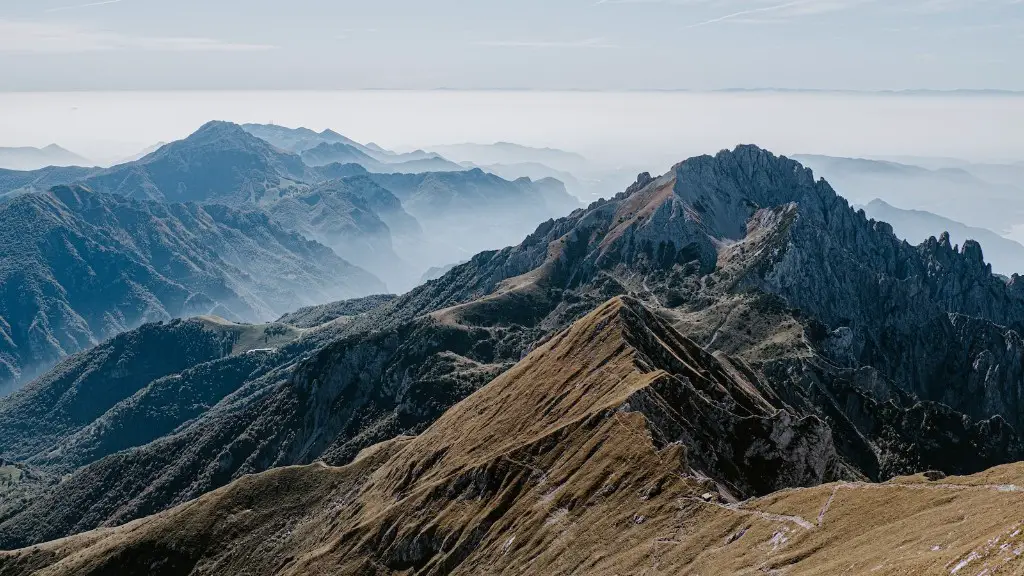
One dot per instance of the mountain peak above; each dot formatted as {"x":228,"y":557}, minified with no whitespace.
{"x":219,"y":128}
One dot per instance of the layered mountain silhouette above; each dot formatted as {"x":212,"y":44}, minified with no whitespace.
{"x":299,"y":140}
{"x":359,"y":220}
{"x":649,"y":374}
{"x":463,"y":213}
{"x":28,"y":158}
{"x":227,"y":164}
{"x":79,"y":267}
{"x":979,"y":196}
{"x":220,"y":162}
{"x":337,"y":153}
{"x":329,"y":147}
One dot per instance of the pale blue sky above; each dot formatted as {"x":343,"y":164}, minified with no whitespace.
{"x":537,"y":44}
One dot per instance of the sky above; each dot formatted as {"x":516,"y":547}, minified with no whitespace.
{"x":59,"y":45}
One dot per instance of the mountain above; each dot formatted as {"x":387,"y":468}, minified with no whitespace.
{"x":437,"y":272}
{"x":357,"y":218}
{"x":601,"y":451}
{"x":509,"y":153}
{"x":299,"y":140}
{"x":1005,"y":255}
{"x":951,"y":192}
{"x":15,"y":182}
{"x":223,"y":163}
{"x":141,"y":153}
{"x":325,"y":153}
{"x":703,"y":350}
{"x":1009,"y":173}
{"x":220,"y":163}
{"x":536,"y":171}
{"x":79,"y":267}
{"x":28,"y":158}
{"x":463,"y":213}
{"x":338,"y":153}
{"x":329,"y":147}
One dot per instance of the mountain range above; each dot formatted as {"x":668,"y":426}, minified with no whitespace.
{"x":28,"y":158}
{"x":329,"y":147}
{"x":711,"y":371}
{"x":227,"y":164}
{"x":79,"y":267}
{"x":227,"y":171}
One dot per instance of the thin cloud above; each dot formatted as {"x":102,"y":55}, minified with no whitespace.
{"x":586,"y":43}
{"x":24,"y":37}
{"x":752,"y":11}
{"x":78,"y":6}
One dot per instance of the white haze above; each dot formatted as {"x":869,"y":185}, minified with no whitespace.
{"x":649,"y":130}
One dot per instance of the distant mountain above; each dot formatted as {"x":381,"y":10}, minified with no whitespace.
{"x":463,"y":213}
{"x":299,"y":140}
{"x":141,"y":153}
{"x":328,"y":147}
{"x":1009,"y":173}
{"x":438,"y":271}
{"x":916,"y":226}
{"x":435,"y":195}
{"x":536,"y":171}
{"x":357,"y":218}
{"x":79,"y":267}
{"x":509,"y":153}
{"x":337,"y":153}
{"x":418,"y":166}
{"x":325,"y":153}
{"x":220,"y":163}
{"x":27,"y":158}
{"x":949,"y":192}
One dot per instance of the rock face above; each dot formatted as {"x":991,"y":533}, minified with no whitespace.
{"x":736,"y":329}
{"x":79,"y":267}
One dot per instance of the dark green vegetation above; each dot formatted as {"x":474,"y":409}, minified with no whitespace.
{"x":870,"y":357}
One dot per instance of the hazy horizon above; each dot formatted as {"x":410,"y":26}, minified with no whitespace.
{"x":635,"y":128}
